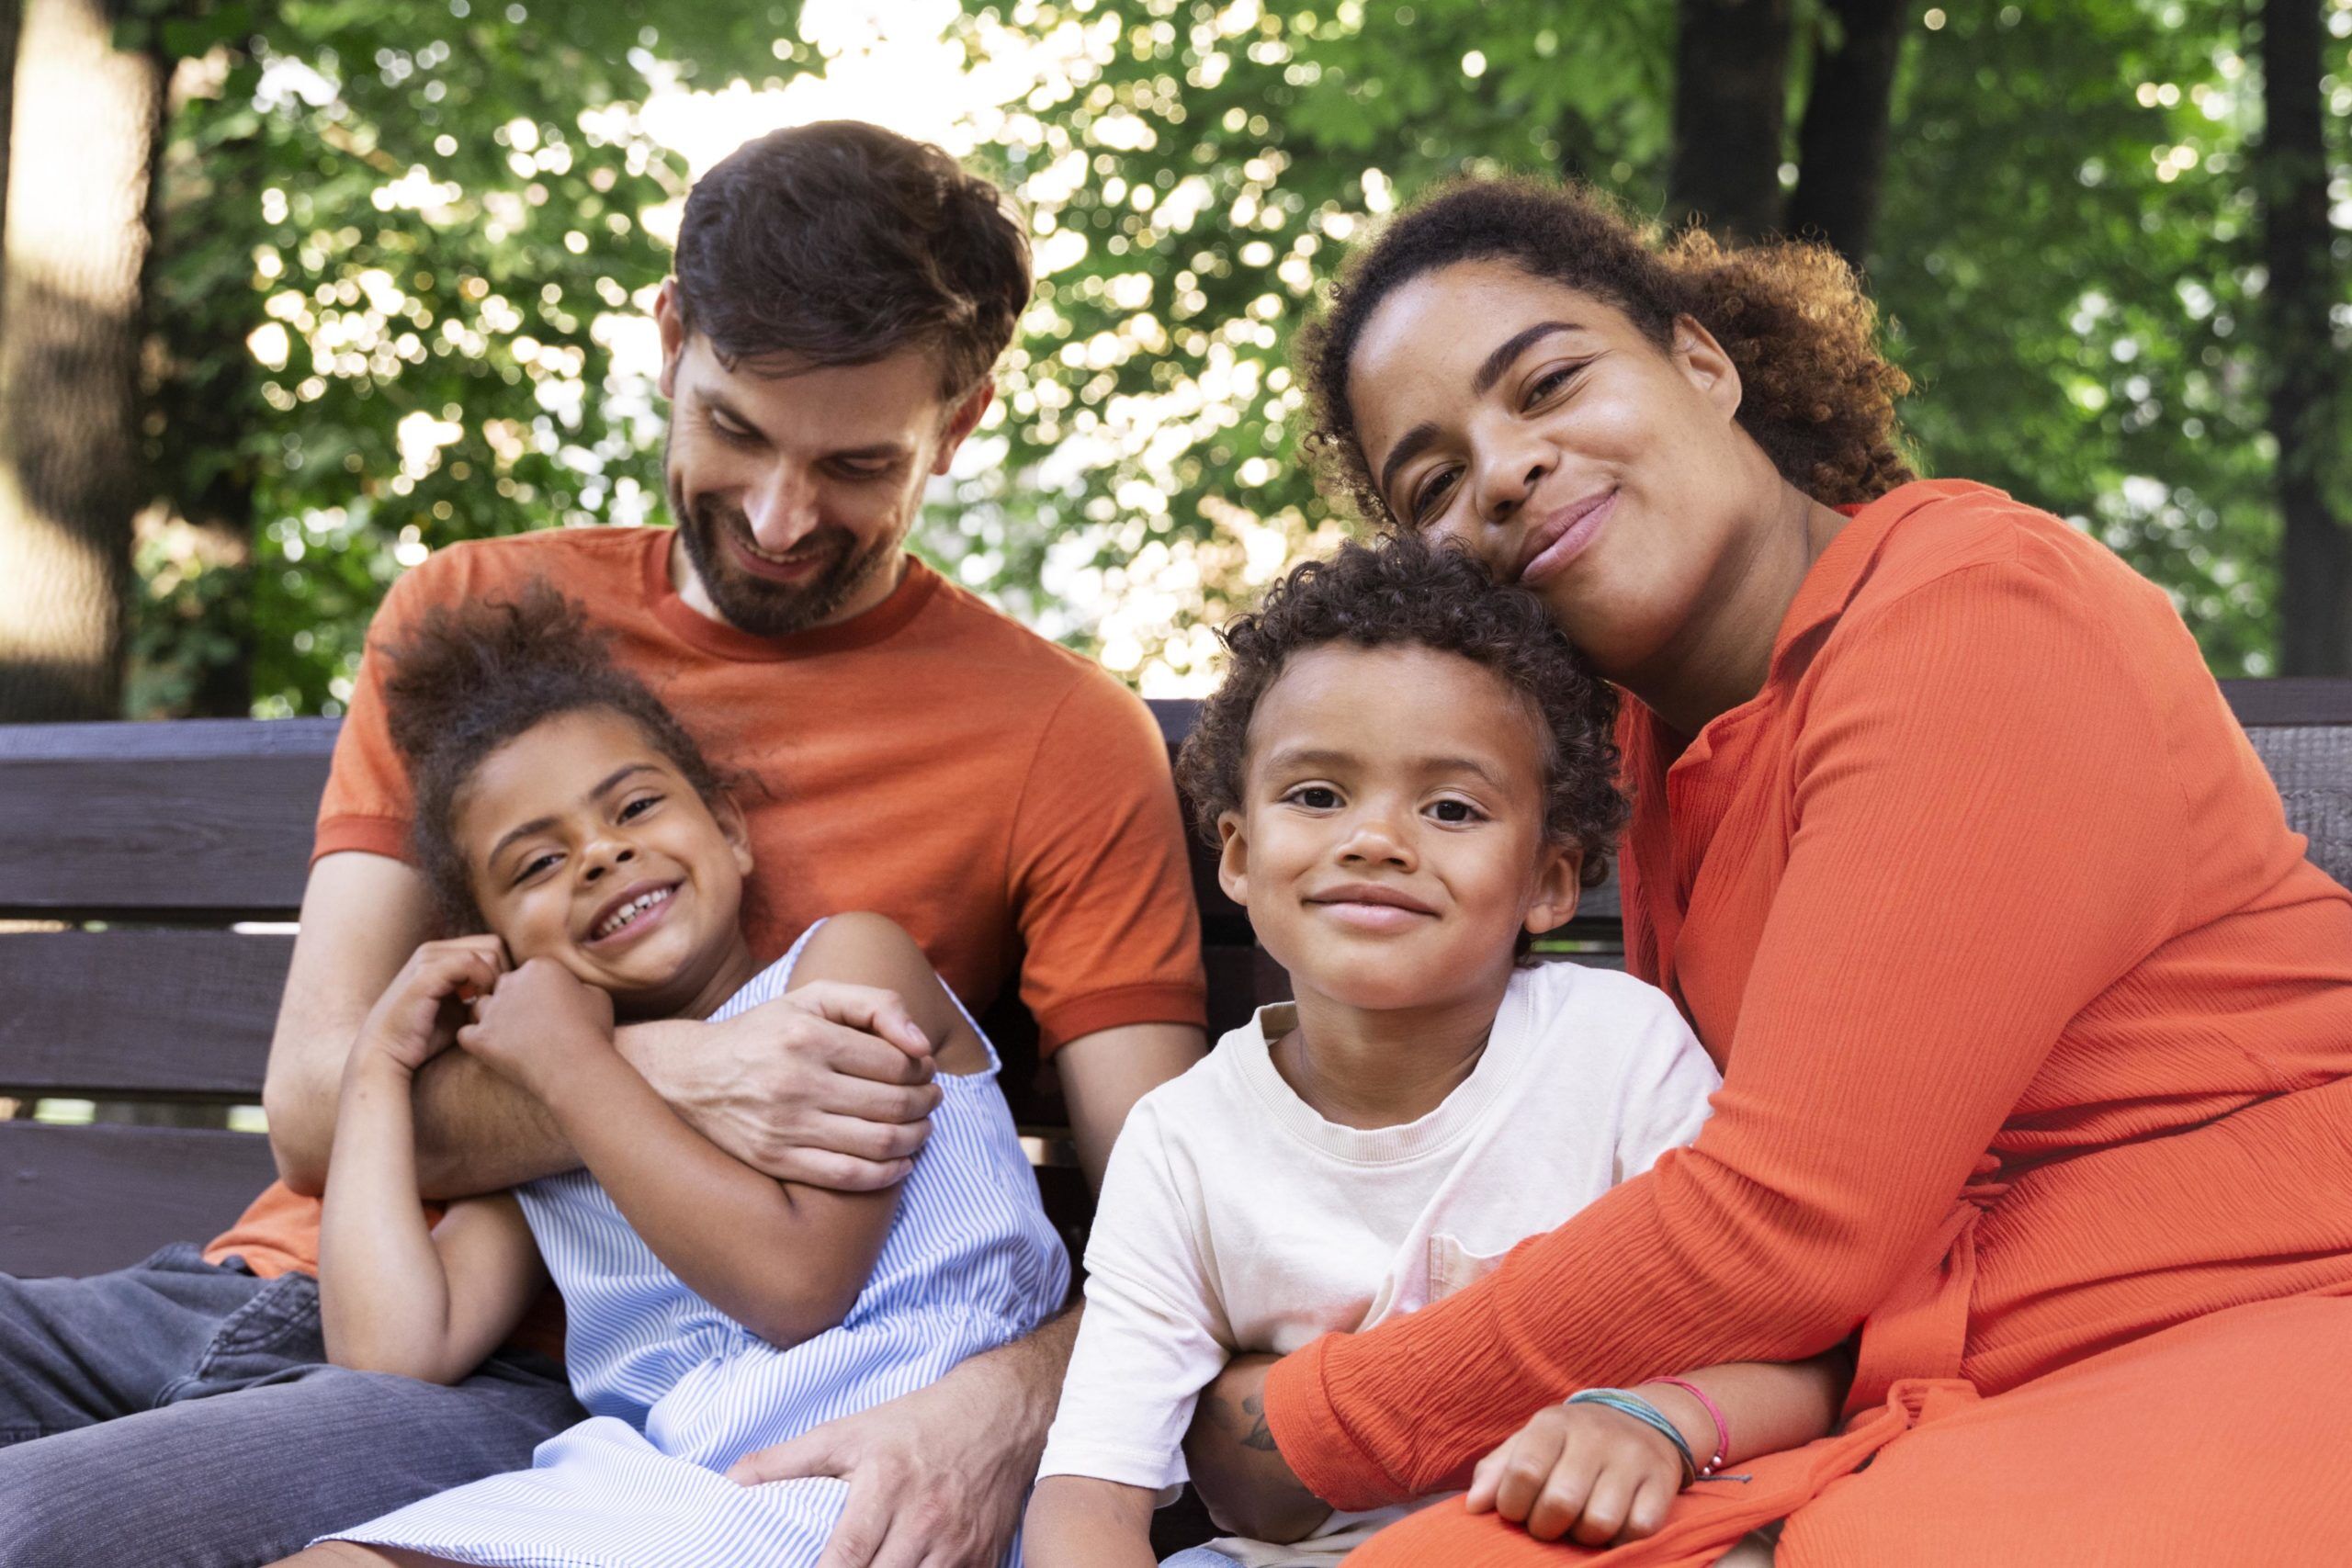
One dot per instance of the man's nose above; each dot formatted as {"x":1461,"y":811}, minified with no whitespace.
{"x":781,"y":511}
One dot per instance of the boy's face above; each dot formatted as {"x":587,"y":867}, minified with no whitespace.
{"x":587,"y":846}
{"x":1390,"y":843}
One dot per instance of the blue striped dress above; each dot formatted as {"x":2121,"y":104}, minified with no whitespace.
{"x":677,"y":1391}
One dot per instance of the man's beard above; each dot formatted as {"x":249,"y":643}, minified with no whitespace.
{"x":763,"y":608}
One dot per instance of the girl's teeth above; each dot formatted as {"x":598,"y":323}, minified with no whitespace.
{"x":629,"y":912}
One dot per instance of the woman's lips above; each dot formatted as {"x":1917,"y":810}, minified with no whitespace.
{"x":1563,"y":535}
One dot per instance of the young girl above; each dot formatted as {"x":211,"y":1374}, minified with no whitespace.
{"x":1410,"y":774}
{"x":563,"y":814}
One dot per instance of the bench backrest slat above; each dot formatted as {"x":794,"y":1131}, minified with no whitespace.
{"x":138,"y":1014}
{"x":77,"y":1200}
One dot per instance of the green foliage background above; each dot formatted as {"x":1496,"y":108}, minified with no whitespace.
{"x":2065,"y":260}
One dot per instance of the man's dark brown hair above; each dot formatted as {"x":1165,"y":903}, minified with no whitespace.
{"x":841,"y":243}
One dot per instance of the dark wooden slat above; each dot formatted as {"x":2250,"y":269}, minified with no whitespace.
{"x":85,"y":1200}
{"x":196,"y":819}
{"x":2300,"y":700}
{"x":132,"y":1014}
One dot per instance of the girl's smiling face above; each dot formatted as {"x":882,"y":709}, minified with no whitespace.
{"x":1390,"y":845}
{"x":586,"y":845}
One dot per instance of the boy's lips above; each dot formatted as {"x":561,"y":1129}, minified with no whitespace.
{"x":1369,"y":906}
{"x":1562,"y":536}
{"x":657,"y":895}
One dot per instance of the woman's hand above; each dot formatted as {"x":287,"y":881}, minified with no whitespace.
{"x":537,"y":1017}
{"x":1583,"y":1470}
{"x":417,"y":1017}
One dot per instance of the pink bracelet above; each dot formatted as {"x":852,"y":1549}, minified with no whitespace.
{"x":1714,"y":1414}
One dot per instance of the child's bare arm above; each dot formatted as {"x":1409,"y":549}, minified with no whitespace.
{"x":1076,"y":1521}
{"x":394,"y":1296}
{"x":1767,"y":1405}
{"x":784,"y":1261}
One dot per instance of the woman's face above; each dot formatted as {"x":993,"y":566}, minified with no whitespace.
{"x":1540,"y":430}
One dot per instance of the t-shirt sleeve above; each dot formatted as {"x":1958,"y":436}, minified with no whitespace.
{"x":1666,"y":1083}
{"x":1149,"y":1341}
{"x":1984,"y":817}
{"x":1101,"y":884}
{"x":367,"y":805}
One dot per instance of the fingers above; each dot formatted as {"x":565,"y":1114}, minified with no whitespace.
{"x":810,"y":1453}
{"x":1485,"y":1479}
{"x":1652,"y":1498}
{"x":836,"y":1173}
{"x":877,"y":1142}
{"x":861,"y":1531}
{"x":868,"y":1009}
{"x":1527,"y":1468}
{"x":1607,"y":1498}
{"x":864,"y":1100}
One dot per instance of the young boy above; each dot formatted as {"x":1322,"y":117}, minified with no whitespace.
{"x":1409,"y":776}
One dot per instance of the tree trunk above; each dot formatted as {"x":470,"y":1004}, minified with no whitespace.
{"x":2315,"y":548}
{"x":1731,"y":92}
{"x":1842,"y":143}
{"x":77,"y":238}
{"x":12,"y":23}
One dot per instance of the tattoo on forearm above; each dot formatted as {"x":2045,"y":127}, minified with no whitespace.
{"x":1260,"y":1436}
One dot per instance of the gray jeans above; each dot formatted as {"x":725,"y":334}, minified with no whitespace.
{"x":181,"y":1414}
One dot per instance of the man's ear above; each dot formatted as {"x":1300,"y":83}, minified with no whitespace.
{"x":738,"y":831}
{"x":1559,"y":883}
{"x":965,"y":420}
{"x":1233,"y":858}
{"x":1704,"y":363}
{"x":670,"y":320}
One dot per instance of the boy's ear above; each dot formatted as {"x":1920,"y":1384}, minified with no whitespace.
{"x":1559,"y":873}
{"x":738,"y":831}
{"x":1233,"y":858}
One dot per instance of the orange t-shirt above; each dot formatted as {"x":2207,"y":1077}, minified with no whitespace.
{"x":1991,"y":915}
{"x":1000,"y":797}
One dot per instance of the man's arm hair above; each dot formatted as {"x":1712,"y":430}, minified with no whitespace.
{"x":1104,"y":1074}
{"x":362,"y":916}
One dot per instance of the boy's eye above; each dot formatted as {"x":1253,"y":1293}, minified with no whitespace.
{"x":1315,"y":797}
{"x":1455,"y":811}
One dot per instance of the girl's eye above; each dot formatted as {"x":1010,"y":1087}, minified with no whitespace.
{"x":1455,"y":811}
{"x":533,"y":866}
{"x":638,"y":807}
{"x":1315,"y":797}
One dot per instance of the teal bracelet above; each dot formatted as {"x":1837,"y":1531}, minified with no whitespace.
{"x":1629,"y":1403}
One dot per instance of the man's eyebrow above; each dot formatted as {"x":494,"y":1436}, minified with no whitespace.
{"x":1512,"y":348}
{"x":541,"y":824}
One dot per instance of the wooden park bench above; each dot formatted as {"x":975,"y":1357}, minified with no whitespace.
{"x":150,"y":875}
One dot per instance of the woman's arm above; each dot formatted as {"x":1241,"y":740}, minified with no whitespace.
{"x":1076,"y":1521}
{"x":394,"y":1296}
{"x":784,"y":1261}
{"x":1913,"y":972}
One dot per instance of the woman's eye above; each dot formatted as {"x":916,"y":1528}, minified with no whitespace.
{"x":1551,"y":381}
{"x":1427,"y":498}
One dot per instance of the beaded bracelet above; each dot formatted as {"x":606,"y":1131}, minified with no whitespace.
{"x":1626,"y":1403}
{"x":1715,"y":1413}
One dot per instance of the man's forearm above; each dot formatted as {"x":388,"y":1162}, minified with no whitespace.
{"x":1035,"y":1367}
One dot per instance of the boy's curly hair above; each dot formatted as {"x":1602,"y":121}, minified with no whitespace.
{"x":468,"y":678}
{"x":1817,"y":393}
{"x":1402,"y":590}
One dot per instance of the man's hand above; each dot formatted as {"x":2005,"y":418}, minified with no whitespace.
{"x":1583,"y":1470}
{"x":936,"y":1478}
{"x":1235,"y":1467}
{"x":829,"y":1084}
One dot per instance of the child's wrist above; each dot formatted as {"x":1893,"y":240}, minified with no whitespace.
{"x":1691,"y":1417}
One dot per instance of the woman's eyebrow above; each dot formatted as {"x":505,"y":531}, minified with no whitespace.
{"x":1414,"y":441}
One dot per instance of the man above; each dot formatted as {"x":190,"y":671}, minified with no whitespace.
{"x":839,"y":296}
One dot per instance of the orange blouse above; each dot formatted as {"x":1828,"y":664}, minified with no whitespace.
{"x":2024,"y":994}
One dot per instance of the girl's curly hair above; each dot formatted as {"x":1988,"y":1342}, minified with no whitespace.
{"x":1402,"y":590}
{"x":468,"y":678}
{"x":1816,"y":394}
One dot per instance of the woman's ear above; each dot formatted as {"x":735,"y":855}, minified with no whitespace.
{"x":1559,"y":883}
{"x":1706,"y":365}
{"x":1233,"y":858}
{"x":729,"y":817}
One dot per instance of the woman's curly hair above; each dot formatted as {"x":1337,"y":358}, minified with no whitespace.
{"x":468,"y":678}
{"x":1817,"y":393}
{"x":1402,"y":590}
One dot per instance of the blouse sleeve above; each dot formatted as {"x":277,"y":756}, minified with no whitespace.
{"x":1982,"y":812}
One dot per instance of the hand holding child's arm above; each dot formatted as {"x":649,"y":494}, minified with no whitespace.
{"x":1076,"y":1521}
{"x":1598,"y":1475}
{"x":394,"y":1296}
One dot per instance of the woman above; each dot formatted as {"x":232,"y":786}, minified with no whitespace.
{"x":2035,"y":1022}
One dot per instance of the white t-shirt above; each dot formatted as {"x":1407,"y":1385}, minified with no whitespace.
{"x":1234,"y":1218}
